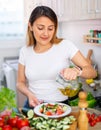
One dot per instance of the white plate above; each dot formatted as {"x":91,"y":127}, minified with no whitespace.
{"x":37,"y":112}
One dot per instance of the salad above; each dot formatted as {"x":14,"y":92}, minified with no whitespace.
{"x":52,"y":109}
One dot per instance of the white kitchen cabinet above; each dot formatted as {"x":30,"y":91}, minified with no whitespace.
{"x":64,"y":9}
{"x":29,"y":5}
{"x":89,"y":9}
{"x":98,"y":9}
{"x":67,"y":10}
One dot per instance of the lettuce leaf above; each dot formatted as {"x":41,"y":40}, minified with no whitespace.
{"x":7,"y":98}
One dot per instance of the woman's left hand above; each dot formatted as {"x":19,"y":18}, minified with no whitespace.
{"x":70,"y":73}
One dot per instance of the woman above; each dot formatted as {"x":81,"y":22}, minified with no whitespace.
{"x":44,"y":57}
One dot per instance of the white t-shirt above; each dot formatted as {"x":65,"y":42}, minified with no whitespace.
{"x":41,"y":69}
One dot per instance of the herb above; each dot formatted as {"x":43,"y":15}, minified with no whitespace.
{"x":7,"y":98}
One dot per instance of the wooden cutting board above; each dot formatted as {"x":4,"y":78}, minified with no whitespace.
{"x":75,"y":112}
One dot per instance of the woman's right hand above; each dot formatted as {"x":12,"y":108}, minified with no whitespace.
{"x":33,"y":101}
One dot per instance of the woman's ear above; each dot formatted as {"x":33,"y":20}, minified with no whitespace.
{"x":30,"y":27}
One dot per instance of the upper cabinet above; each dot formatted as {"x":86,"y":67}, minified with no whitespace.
{"x":67,"y":10}
{"x":63,"y":8}
{"x":89,"y":9}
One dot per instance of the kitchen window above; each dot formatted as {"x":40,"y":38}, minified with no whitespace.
{"x":11,"y":20}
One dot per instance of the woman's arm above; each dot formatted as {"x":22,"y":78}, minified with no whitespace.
{"x":86,"y":70}
{"x":23,"y":88}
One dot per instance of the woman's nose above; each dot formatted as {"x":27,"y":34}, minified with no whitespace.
{"x":45,"y":32}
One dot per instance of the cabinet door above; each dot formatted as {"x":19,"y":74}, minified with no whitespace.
{"x":86,"y":9}
{"x":65,"y":10}
{"x":89,"y":9}
{"x":98,"y":9}
{"x":29,"y":5}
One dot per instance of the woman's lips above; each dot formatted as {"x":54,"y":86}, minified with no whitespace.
{"x":44,"y":38}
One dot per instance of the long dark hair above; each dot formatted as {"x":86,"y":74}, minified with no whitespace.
{"x":36,"y":13}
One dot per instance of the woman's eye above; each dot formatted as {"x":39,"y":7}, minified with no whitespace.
{"x":50,"y":29}
{"x":40,"y":28}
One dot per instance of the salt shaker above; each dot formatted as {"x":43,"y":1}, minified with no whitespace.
{"x":83,"y":119}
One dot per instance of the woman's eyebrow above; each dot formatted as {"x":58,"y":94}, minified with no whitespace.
{"x":44,"y":25}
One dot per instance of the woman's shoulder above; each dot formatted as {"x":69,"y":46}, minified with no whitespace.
{"x":26,"y":48}
{"x":67,"y":43}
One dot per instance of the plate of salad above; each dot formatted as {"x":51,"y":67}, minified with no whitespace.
{"x":52,"y":110}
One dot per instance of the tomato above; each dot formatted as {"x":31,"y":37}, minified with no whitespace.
{"x":93,"y":123}
{"x":93,"y":115}
{"x":1,"y":122}
{"x":5,"y":118}
{"x":7,"y":127}
{"x":13,"y":121}
{"x":97,"y":119}
{"x":48,"y":113}
{"x":59,"y":112}
{"x":22,"y":122}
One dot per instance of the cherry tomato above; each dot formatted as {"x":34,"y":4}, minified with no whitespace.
{"x":22,"y":122}
{"x":93,"y":115}
{"x":1,"y":122}
{"x":7,"y":127}
{"x":93,"y":123}
{"x":97,"y":119}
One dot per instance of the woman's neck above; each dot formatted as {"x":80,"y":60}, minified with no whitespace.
{"x":42,"y":48}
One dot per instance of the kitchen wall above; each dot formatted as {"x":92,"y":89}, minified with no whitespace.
{"x":75,"y":30}
{"x":10,"y":48}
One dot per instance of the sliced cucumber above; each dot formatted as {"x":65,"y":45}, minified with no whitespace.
{"x":64,"y":108}
{"x":30,"y":114}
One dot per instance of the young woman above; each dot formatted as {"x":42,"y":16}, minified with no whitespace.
{"x":44,"y":57}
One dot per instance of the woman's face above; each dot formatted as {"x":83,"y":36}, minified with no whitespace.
{"x":43,"y":30}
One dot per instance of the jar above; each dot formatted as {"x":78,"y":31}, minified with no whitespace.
{"x":69,"y":88}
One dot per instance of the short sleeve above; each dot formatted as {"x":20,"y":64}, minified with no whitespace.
{"x":22,"y":56}
{"x":73,"y":50}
